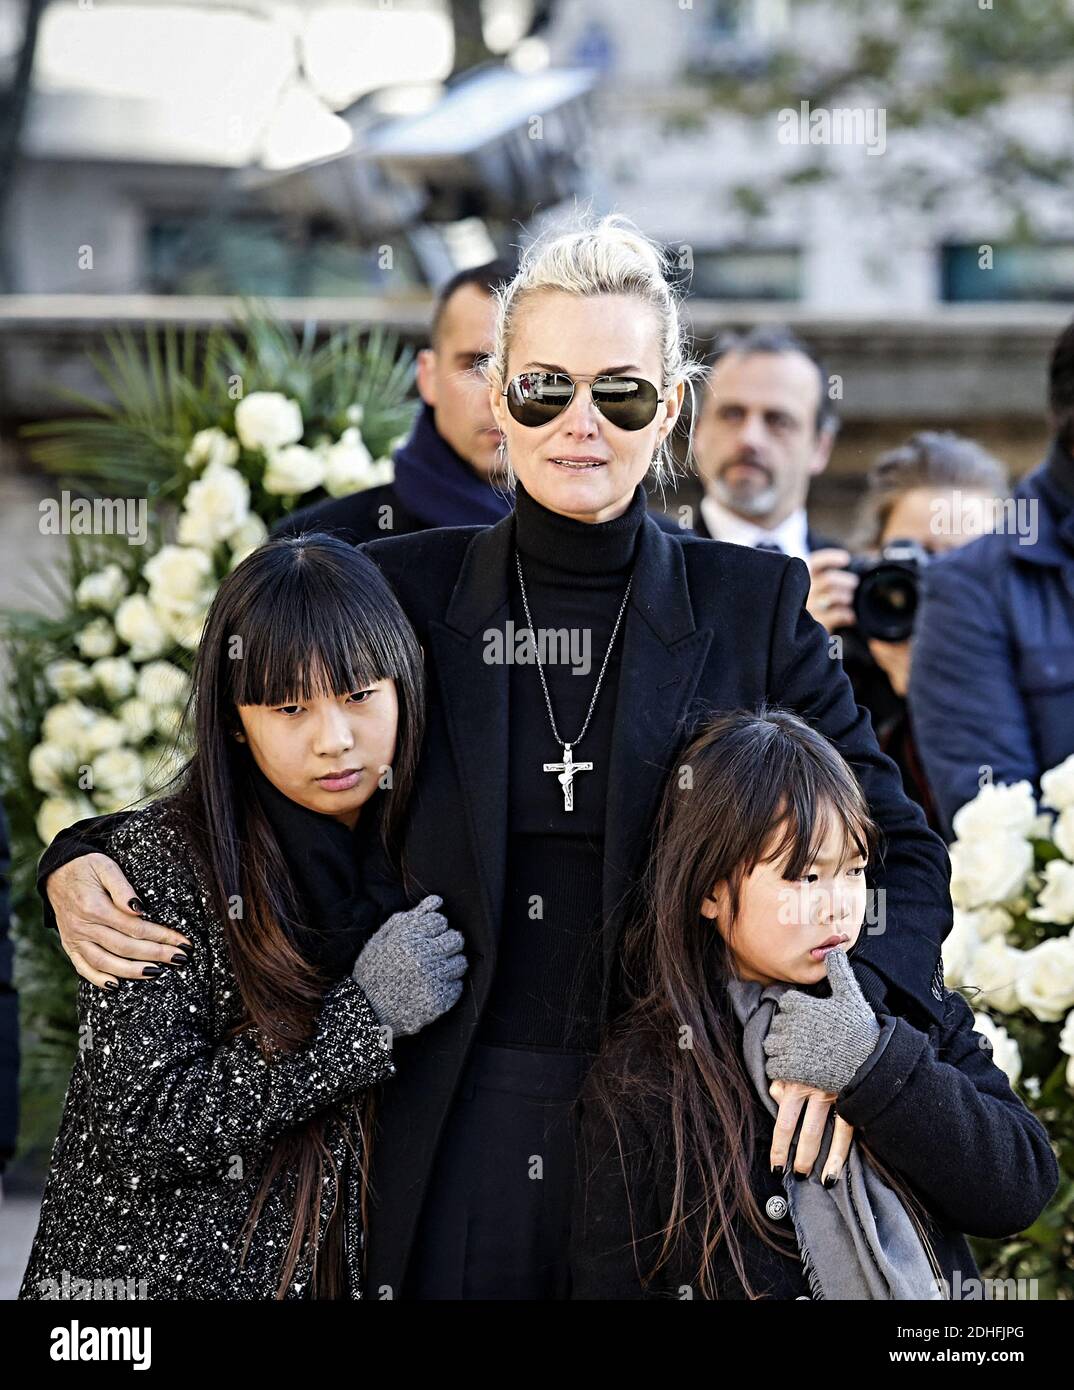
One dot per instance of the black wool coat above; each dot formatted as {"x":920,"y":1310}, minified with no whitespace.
{"x":710,"y":627}
{"x":929,"y":1101}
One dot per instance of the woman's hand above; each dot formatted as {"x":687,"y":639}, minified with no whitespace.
{"x":831,"y":589}
{"x":790,"y":1096}
{"x":893,"y":658}
{"x":103,"y":935}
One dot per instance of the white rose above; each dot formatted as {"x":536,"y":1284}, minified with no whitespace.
{"x":161,"y":683}
{"x":1055,"y":901}
{"x":958,"y":948}
{"x":51,"y":764}
{"x":103,"y":589}
{"x":995,"y":969}
{"x":1063,"y":833}
{"x":214,"y":507}
{"x":347,"y":465}
{"x":1046,"y":981}
{"x":97,"y":639}
{"x":56,"y":813}
{"x":68,"y":677}
{"x":992,"y":921}
{"x":381,"y":471}
{"x":1066,"y":1035}
{"x":104,"y":733}
{"x":168,"y":720}
{"x":355,"y":413}
{"x":136,"y":716}
{"x":211,"y":447}
{"x":161,"y":765}
{"x":268,"y":420}
{"x":997,"y":808}
{"x":118,"y":769}
{"x":180,"y":579}
{"x":1004,"y":1049}
{"x":140,"y":627}
{"x":989,"y":869}
{"x":252,"y":533}
{"x":117,"y":799}
{"x":67,"y":724}
{"x":1057,"y":785}
{"x":292,"y":470}
{"x":115,"y":675}
{"x":184,"y":628}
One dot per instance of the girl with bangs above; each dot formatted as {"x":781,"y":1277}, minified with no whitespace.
{"x":740,"y":972}
{"x":212,"y":1144}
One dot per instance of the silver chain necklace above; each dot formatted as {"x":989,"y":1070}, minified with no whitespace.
{"x":568,"y":767}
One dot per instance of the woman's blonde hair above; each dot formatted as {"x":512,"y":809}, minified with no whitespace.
{"x":595,"y":256}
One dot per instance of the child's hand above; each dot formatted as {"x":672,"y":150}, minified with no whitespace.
{"x":790,"y":1096}
{"x":822,"y":1042}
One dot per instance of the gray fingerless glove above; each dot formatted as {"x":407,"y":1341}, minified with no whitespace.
{"x":822,"y":1042}
{"x":411,"y":969}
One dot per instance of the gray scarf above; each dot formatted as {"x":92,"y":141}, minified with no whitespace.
{"x":856,"y":1239}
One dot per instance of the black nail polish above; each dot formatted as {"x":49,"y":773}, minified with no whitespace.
{"x":180,"y":959}
{"x":801,"y":1177}
{"x":830,"y":1180}
{"x":111,"y":984}
{"x":153,"y":970}
{"x":135,"y":905}
{"x":777,"y":1168}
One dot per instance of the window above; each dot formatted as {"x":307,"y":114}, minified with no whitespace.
{"x":994,"y":272}
{"x":743,"y":273}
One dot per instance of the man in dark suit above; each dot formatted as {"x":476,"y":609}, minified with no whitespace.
{"x":448,"y":471}
{"x":765,"y":428}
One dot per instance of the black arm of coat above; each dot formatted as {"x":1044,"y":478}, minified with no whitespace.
{"x":943,"y":1114}
{"x":911,"y":879}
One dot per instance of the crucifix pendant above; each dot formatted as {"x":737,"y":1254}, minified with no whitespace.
{"x":566,"y":769}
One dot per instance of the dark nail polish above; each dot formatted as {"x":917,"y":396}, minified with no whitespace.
{"x":153,"y":970}
{"x":111,"y":984}
{"x":135,"y":905}
{"x":180,"y":959}
{"x":830,"y":1180}
{"x":801,"y":1177}
{"x":777,"y":1168}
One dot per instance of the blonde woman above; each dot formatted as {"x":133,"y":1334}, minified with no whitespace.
{"x":542,"y":766}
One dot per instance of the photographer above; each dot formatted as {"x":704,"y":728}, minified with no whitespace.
{"x":934,"y":492}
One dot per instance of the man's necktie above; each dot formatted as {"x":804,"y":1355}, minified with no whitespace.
{"x":769,"y":545}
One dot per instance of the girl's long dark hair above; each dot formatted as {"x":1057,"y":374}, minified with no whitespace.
{"x":298,"y":617}
{"x":752,"y":787}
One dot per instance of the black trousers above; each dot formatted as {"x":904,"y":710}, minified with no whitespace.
{"x":496,"y":1219}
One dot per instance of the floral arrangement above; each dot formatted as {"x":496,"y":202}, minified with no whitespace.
{"x":1011,"y":952}
{"x":218,"y":439}
{"x":112,"y":735}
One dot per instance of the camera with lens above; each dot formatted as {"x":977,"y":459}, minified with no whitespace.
{"x":885,"y":601}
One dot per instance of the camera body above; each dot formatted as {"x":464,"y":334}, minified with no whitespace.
{"x":886,"y":599}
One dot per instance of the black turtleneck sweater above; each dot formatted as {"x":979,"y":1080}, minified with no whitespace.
{"x":549,"y":968}
{"x":330,"y":866}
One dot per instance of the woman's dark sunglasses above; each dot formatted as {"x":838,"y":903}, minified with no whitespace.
{"x":628,"y":402}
